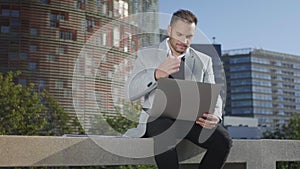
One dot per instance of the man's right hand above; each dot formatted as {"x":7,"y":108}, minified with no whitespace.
{"x":169,"y":66}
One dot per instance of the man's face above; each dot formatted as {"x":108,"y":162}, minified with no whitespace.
{"x":180,"y":36}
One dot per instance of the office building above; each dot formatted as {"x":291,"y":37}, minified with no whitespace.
{"x":262,"y":84}
{"x":78,"y":50}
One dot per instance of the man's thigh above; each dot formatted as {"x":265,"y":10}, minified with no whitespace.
{"x":207,"y":137}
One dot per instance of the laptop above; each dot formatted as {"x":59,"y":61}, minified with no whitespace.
{"x":183,"y":99}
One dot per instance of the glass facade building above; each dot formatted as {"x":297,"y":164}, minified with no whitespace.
{"x":262,"y":84}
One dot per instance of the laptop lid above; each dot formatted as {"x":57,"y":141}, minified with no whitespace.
{"x":183,"y":99}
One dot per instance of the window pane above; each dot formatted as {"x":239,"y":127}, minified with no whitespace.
{"x":33,"y":31}
{"x":4,"y":29}
{"x":14,"y":21}
{"x":32,"y":48}
{"x":15,"y":13}
{"x":44,"y":1}
{"x":5,"y":12}
{"x":61,"y":50}
{"x":32,"y":66}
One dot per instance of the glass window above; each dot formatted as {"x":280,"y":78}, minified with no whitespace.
{"x":14,"y":21}
{"x":44,"y":1}
{"x":59,"y":84}
{"x":262,"y":96}
{"x":262,"y":104}
{"x":104,"y":7}
{"x":262,"y":111}
{"x":261,"y":76}
{"x":239,"y":60}
{"x":32,"y":66}
{"x":281,"y":121}
{"x":240,"y":68}
{"x":5,"y":29}
{"x":259,"y":69}
{"x":241,"y":89}
{"x":5,"y":12}
{"x":98,"y":3}
{"x":33,"y":31}
{"x":15,"y":13}
{"x":240,"y":82}
{"x":241,"y":103}
{"x":67,"y":35}
{"x":51,"y":58}
{"x":262,"y":83}
{"x":32,"y":48}
{"x":240,"y":96}
{"x":24,"y":56}
{"x":41,"y":84}
{"x":60,"y":50}
{"x":13,"y":55}
{"x":104,"y":39}
{"x":260,"y":60}
{"x":261,"y":89}
{"x":264,"y":120}
{"x":241,"y":110}
{"x":22,"y":82}
{"x":116,"y":36}
{"x":297,"y":80}
{"x":240,"y":75}
{"x":297,"y":66}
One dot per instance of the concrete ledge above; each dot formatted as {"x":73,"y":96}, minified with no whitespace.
{"x":85,"y":151}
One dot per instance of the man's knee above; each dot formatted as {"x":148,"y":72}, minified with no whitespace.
{"x":225,"y":140}
{"x":228,"y":142}
{"x":221,"y":139}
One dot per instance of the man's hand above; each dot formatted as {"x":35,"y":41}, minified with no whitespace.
{"x":168,"y":67}
{"x":208,"y":121}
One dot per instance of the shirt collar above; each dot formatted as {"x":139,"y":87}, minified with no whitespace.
{"x":186,"y":53}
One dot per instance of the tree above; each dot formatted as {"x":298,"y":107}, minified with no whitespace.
{"x":290,"y":131}
{"x":26,"y":112}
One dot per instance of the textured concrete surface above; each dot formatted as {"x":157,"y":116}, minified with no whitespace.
{"x":86,"y":151}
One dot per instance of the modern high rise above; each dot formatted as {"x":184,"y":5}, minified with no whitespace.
{"x":73,"y":48}
{"x":262,"y":84}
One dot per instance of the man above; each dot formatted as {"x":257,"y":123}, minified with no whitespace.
{"x":174,"y":58}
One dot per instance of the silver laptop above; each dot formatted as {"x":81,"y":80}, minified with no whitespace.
{"x":183,"y":99}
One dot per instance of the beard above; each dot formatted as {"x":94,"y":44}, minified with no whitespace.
{"x":177,"y":46}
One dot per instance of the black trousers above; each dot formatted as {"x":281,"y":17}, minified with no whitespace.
{"x":166,"y":131}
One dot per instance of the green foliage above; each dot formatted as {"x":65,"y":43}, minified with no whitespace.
{"x":25,"y":112}
{"x":58,"y":121}
{"x":118,"y":123}
{"x":290,"y":131}
{"x":126,"y":117}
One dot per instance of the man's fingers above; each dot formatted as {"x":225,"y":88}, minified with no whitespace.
{"x":206,"y":125}
{"x":210,"y":122}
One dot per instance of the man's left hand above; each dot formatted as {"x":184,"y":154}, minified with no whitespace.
{"x":208,"y":121}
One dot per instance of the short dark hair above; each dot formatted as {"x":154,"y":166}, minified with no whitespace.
{"x":184,"y":15}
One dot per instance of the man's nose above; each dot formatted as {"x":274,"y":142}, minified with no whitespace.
{"x":184,"y":40}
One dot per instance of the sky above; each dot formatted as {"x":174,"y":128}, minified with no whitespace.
{"x":263,"y":24}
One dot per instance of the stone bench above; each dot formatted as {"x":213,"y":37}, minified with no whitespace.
{"x":96,"y":151}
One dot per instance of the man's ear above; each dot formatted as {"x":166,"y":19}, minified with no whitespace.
{"x":169,"y":30}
